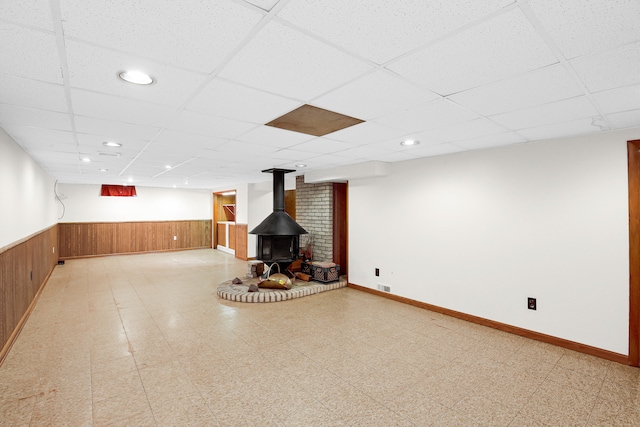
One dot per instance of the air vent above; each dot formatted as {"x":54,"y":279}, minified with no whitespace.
{"x":384,"y":288}
{"x":103,"y":153}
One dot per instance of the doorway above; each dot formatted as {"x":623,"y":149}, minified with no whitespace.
{"x":224,"y":221}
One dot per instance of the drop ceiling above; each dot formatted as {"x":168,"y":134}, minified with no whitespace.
{"x":455,"y":75}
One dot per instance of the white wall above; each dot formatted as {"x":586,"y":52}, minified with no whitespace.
{"x":479,"y":232}
{"x":84,"y":204}
{"x":28,"y":203}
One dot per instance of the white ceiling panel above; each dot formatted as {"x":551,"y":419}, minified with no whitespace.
{"x":274,"y":136}
{"x":205,"y":124}
{"x":263,"y":4}
{"x":227,"y":99}
{"x":196,"y":35}
{"x":560,"y":111}
{"x":624,"y":119}
{"x":32,"y":93}
{"x":28,"y":53}
{"x":619,"y":99}
{"x":98,"y":105}
{"x":466,"y":130}
{"x":39,"y":135}
{"x":182,"y":139}
{"x":366,"y":133}
{"x":304,"y":69}
{"x":323,"y":146}
{"x":434,"y":150}
{"x":534,"y":88}
{"x":97,"y":69}
{"x":110,"y":130}
{"x":223,"y":68}
{"x":615,"y":68}
{"x":579,"y":27}
{"x":558,"y":130}
{"x":13,"y":115}
{"x":503,"y":46}
{"x":488,"y":141}
{"x":36,"y":13}
{"x":374,"y":95}
{"x":381,"y":30}
{"x":428,"y":116}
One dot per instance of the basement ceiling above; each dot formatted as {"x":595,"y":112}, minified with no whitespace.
{"x":453,"y":74}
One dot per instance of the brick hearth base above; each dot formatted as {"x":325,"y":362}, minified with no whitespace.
{"x":240,"y":293}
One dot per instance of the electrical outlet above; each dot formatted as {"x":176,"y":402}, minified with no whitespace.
{"x":384,"y":288}
{"x":377,"y":272}
{"x":175,"y":237}
{"x":53,"y":250}
{"x":532,"y":304}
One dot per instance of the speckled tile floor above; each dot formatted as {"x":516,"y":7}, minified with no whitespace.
{"x":142,"y":340}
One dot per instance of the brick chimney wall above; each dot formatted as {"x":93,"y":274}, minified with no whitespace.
{"x":314,"y":212}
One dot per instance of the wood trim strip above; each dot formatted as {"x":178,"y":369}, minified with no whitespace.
{"x":633,"y":157}
{"x":23,"y":320}
{"x":571,"y":345}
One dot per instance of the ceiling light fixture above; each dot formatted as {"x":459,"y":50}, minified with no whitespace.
{"x":136,"y":77}
{"x":409,"y":142}
{"x":104,"y":170}
{"x":111,"y":144}
{"x":167,"y":166}
{"x":301,"y":165}
{"x":86,"y":159}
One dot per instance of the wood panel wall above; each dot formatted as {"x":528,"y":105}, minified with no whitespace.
{"x":241,"y":241}
{"x":24,"y":268}
{"x":85,"y":239}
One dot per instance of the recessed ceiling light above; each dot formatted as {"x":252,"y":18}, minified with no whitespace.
{"x":301,"y":165}
{"x":111,"y":144}
{"x":86,"y":159}
{"x":136,"y":77}
{"x":104,"y":170}
{"x":167,"y":166}
{"x":409,"y":142}
{"x":130,"y":179}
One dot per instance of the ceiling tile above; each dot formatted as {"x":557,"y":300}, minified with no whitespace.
{"x":534,"y":88}
{"x":366,"y":133}
{"x":488,"y":141}
{"x":559,"y":130}
{"x":304,"y":70}
{"x":291,"y":154}
{"x":554,"y":112}
{"x":241,"y":150}
{"x":98,"y":105}
{"x":41,"y":136}
{"x":619,"y":99}
{"x":180,"y":139}
{"x":129,"y":146}
{"x":434,"y":150}
{"x":227,"y":99}
{"x":428,"y":116}
{"x":204,"y":124}
{"x":263,"y":4}
{"x":28,"y":53}
{"x":579,"y":27}
{"x":465,"y":130}
{"x":196,"y":35}
{"x":274,"y":136}
{"x":37,"y":13}
{"x":323,"y":146}
{"x":503,"y":46}
{"x":615,"y":68}
{"x":97,"y":69}
{"x":624,"y":119}
{"x":32,"y":93}
{"x":110,"y":130}
{"x":381,"y":30}
{"x":374,"y":95}
{"x":12,"y":115}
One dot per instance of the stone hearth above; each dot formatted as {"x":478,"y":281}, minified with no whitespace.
{"x":240,"y":292}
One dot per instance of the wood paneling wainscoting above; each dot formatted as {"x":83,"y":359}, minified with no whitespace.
{"x":549,"y":339}
{"x":86,"y":239}
{"x":25,"y":267}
